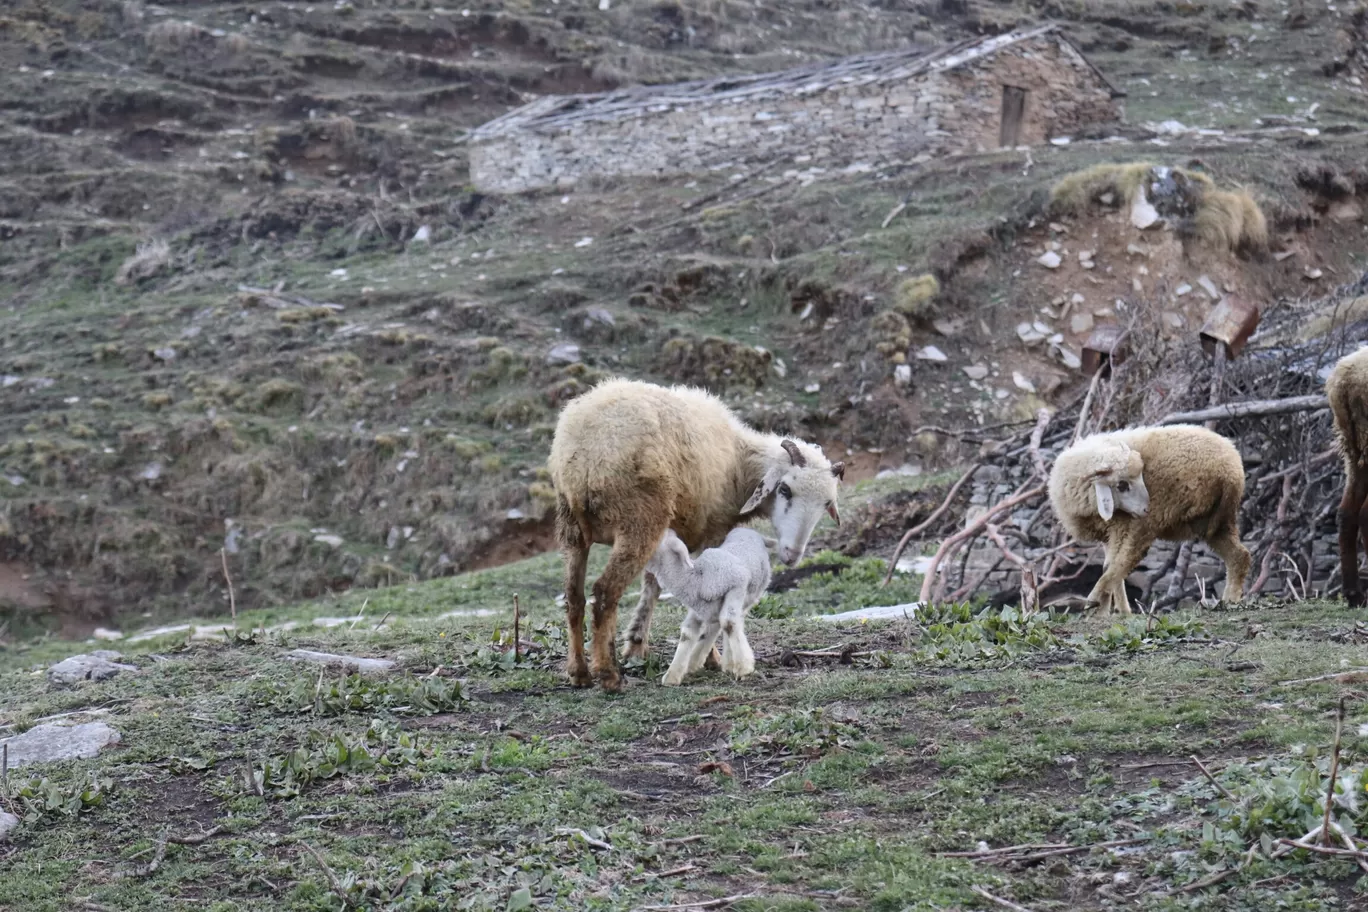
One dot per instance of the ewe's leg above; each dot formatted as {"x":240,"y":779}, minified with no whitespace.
{"x":631,"y":551}
{"x":1124,"y":557}
{"x":739,"y":660}
{"x":1350,"y":514}
{"x":1098,"y":593}
{"x":690,"y":635}
{"x":576,"y":558}
{"x":1237,"y":560}
{"x":639,"y":632}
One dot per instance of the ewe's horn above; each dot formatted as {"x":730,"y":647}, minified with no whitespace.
{"x":838,"y":469}
{"x":794,"y":455}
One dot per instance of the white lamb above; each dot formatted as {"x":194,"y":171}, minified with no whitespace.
{"x":717,"y":588}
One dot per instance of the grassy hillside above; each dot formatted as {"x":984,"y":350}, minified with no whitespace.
{"x":217,"y":330}
{"x":854,"y":770}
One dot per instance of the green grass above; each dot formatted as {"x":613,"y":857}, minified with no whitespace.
{"x":466,"y":778}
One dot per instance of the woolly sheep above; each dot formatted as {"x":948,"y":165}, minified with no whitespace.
{"x":1347,"y":390}
{"x":1128,"y":488}
{"x":630,"y":460}
{"x":718,"y":588}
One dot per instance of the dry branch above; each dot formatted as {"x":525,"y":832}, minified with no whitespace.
{"x":1334,"y":770}
{"x":970,"y":531}
{"x":1257,"y":408}
{"x":333,"y":883}
{"x":918,"y":529}
{"x":702,"y":904}
{"x":1005,"y":903}
{"x":1212,"y":779}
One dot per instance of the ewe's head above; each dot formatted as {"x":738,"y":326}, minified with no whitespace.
{"x":1115,"y":471}
{"x":803,"y":484}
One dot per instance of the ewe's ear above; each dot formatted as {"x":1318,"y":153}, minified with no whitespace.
{"x":763,"y":490}
{"x":1104,"y":500}
{"x":838,"y":469}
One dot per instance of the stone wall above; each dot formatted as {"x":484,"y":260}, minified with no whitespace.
{"x":942,"y":111}
{"x":993,"y":484}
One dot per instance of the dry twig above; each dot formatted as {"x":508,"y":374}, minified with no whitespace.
{"x":970,"y":531}
{"x":1212,"y":779}
{"x":232,"y":597}
{"x":702,"y":904}
{"x":922,"y":527}
{"x":333,"y":883}
{"x":1005,"y":903}
{"x":1334,"y":771}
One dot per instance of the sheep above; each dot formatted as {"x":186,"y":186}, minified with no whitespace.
{"x":718,"y":588}
{"x":1347,"y":390}
{"x":630,"y":460}
{"x":1101,"y":489}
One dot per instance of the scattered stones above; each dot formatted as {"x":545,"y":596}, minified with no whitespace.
{"x":1313,"y":273}
{"x":976,"y":371}
{"x":104,"y":633}
{"x":1137,"y":250}
{"x":164,"y":354}
{"x":100,"y":665}
{"x":812,"y":388}
{"x":8,"y":824}
{"x":1081,"y":322}
{"x":422,"y":235}
{"x":1174,"y":319}
{"x":584,"y":242}
{"x":1181,"y":290}
{"x":1033,"y":332}
{"x":352,"y":664}
{"x":327,"y":538}
{"x":1069,"y":357}
{"x":600,"y":316}
{"x":1284,"y":254}
{"x":1022,"y":383}
{"x":1209,"y":287}
{"x":151,"y":472}
{"x":515,"y":514}
{"x":1049,"y":259}
{"x":931,"y":353}
{"x":564,"y":353}
{"x":49,"y":743}
{"x":902,"y":375}
{"x":1346,"y":211}
{"x":907,"y":469}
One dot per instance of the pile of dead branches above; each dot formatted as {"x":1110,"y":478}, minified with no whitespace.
{"x":1269,"y":401}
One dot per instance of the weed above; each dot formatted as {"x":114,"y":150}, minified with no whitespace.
{"x":1139,"y":634}
{"x":39,"y":798}
{"x":151,"y":257}
{"x":325,"y":756}
{"x":355,"y":693}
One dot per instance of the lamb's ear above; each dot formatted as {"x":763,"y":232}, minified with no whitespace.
{"x":1104,"y":500}
{"x":762,"y":490}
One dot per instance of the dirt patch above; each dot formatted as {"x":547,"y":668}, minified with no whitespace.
{"x":519,"y":541}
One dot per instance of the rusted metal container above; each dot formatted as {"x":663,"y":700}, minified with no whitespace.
{"x":1232,"y":321}
{"x":1104,"y":347}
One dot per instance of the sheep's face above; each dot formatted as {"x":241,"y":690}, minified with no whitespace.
{"x":1122,"y":489}
{"x":803,"y":488}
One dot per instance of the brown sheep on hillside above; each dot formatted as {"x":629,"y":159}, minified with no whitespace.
{"x":1347,"y":390}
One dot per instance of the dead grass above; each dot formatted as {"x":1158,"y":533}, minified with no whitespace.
{"x":173,"y":34}
{"x":152,"y":257}
{"x":915,"y":296}
{"x":1230,"y":220}
{"x":1074,"y":193}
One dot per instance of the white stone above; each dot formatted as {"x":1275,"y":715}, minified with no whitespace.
{"x":349,"y":663}
{"x":902,"y":375}
{"x":1022,"y":383}
{"x":103,"y":633}
{"x":1142,"y":214}
{"x":564,"y":353}
{"x":584,"y":242}
{"x":1029,"y":334}
{"x":1181,"y":290}
{"x":1085,"y":255}
{"x":812,"y":388}
{"x":930,"y":353}
{"x":1209,"y":287}
{"x":50,"y":742}
{"x":1049,"y":259}
{"x":976,"y":371}
{"x":874,"y":613}
{"x":422,"y":235}
{"x":8,"y":824}
{"x":97,"y":667}
{"x":1081,"y":322}
{"x":1070,"y":359}
{"x":329,"y":539}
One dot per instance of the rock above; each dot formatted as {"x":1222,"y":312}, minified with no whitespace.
{"x":164,"y":354}
{"x":906,"y":469}
{"x":1174,"y":319}
{"x":1070,"y":358}
{"x":515,"y":514}
{"x":1209,"y":287}
{"x":931,"y":353}
{"x":8,"y":824}
{"x":329,"y":539}
{"x":392,"y":539}
{"x":348,"y":663}
{"x":1137,"y":250}
{"x":103,"y":633}
{"x":584,"y":242}
{"x":976,"y":371}
{"x":812,"y":388}
{"x":1137,"y":286}
{"x":600,"y":316}
{"x":422,"y":235}
{"x":1142,"y":214}
{"x":1171,"y":127}
{"x":1084,"y":256}
{"x":1022,"y":383}
{"x":902,"y":375}
{"x":780,"y":368}
{"x":1284,"y":254}
{"x":97,"y":667}
{"x":1049,"y":259}
{"x":1029,"y":334}
{"x":948,"y":328}
{"x":50,"y":743}
{"x":564,"y":353}
{"x":1081,"y":322}
{"x":874,"y":613}
{"x":1313,"y":273}
{"x":1181,"y":290}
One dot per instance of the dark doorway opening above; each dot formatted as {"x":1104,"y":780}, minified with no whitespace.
{"x":1013,"y":109}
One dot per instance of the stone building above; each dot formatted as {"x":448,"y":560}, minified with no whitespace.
{"x":1015,"y":89}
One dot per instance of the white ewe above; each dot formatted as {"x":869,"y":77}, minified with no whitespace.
{"x":718,"y":588}
{"x":1128,"y":488}
{"x":630,"y":460}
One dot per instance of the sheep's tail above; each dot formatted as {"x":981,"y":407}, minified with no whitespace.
{"x":572,"y":528}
